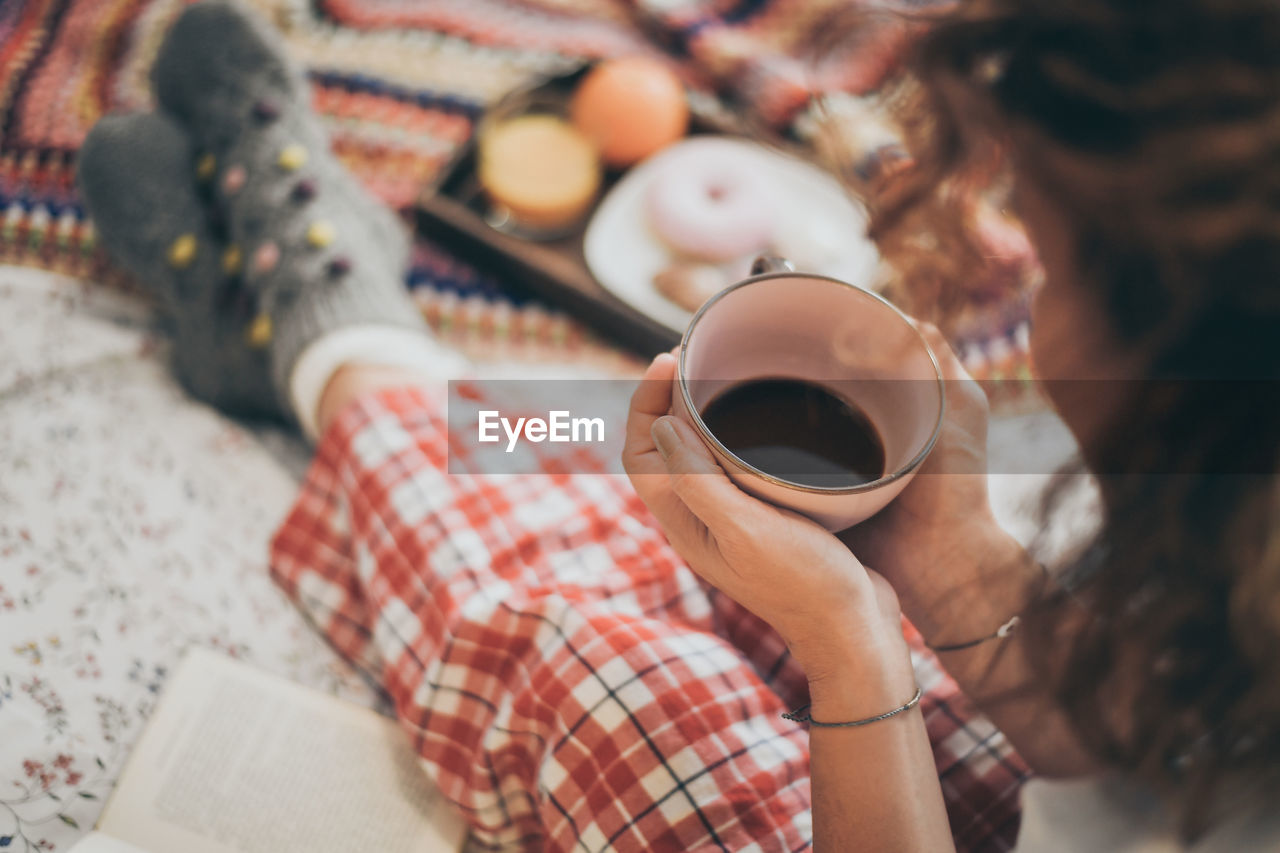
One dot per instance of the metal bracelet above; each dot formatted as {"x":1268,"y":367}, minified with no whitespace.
{"x":1003,"y":631}
{"x":799,"y":715}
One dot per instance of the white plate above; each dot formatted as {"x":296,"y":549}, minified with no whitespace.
{"x":624,"y":254}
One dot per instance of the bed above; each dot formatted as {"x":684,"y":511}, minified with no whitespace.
{"x":134,"y":521}
{"x":133,"y":525}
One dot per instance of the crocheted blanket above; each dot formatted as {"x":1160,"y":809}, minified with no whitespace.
{"x":399,"y":85}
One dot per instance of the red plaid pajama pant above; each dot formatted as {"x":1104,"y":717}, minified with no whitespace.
{"x":566,"y":679}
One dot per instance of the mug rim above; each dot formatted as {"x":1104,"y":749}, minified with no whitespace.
{"x":903,"y":470}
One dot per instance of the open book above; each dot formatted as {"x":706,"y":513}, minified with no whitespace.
{"x":234,"y":760}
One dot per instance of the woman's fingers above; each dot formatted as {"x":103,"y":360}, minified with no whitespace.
{"x":965,"y":396}
{"x":952,"y":369}
{"x":653,"y":396}
{"x":650,"y":401}
{"x":645,"y":466}
{"x":700,"y":482}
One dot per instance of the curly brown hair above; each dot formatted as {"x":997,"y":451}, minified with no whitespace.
{"x":1156,"y":130}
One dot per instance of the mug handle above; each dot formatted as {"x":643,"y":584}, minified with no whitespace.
{"x":771,"y":264}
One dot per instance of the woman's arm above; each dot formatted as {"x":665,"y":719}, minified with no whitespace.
{"x":994,"y":578}
{"x":874,"y":787}
{"x":959,"y":577}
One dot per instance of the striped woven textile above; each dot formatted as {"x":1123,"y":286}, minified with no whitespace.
{"x":399,"y":84}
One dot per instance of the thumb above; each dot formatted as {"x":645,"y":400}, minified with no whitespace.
{"x":698,"y":480}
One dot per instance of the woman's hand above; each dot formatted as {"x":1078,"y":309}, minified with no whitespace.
{"x":935,"y":540}
{"x":781,"y":566}
{"x":840,"y":621}
{"x":959,"y":577}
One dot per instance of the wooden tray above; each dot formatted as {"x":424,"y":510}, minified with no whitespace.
{"x":452,"y":212}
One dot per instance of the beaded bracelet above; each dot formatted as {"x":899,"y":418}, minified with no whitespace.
{"x":1003,"y":631}
{"x":799,"y":715}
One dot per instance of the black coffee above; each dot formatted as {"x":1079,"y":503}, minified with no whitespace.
{"x":797,"y":431}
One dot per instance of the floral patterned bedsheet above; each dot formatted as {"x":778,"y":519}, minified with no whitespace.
{"x":133,"y":525}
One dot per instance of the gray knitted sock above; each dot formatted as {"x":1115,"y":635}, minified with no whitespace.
{"x":135,"y":177}
{"x":316,"y":251}
{"x":222,"y":72}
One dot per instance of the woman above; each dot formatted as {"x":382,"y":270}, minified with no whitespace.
{"x":1146,"y":165}
{"x":554,"y":661}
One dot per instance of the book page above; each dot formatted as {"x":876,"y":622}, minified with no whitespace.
{"x":238,"y":761}
{"x":96,"y":842}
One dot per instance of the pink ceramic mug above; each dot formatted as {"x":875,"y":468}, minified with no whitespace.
{"x":854,"y":343}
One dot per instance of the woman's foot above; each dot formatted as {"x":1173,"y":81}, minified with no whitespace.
{"x":318,"y":253}
{"x":276,"y":266}
{"x":136,"y":179}
{"x":240,"y":327}
{"x":223,"y":74}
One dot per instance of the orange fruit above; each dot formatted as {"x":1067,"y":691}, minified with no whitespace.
{"x":630,"y":108}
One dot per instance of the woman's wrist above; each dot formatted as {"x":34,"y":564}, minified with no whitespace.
{"x":857,"y":659}
{"x":987,"y":578}
{"x":865,"y":682}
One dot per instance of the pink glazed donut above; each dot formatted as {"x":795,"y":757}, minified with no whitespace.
{"x":710,"y":202}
